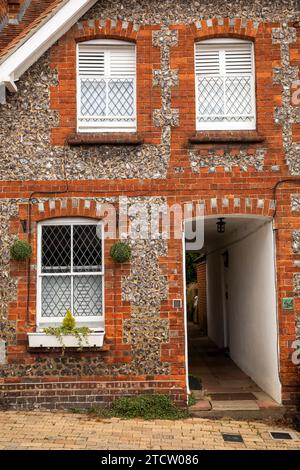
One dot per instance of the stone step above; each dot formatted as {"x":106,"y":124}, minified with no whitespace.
{"x":229,"y":405}
{"x":256,"y":414}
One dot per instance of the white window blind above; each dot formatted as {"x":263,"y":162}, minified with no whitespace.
{"x":225,"y":85}
{"x":70,"y":272}
{"x":106,"y":85}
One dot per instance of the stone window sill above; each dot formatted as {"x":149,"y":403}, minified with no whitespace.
{"x":225,"y":137}
{"x":108,"y":138}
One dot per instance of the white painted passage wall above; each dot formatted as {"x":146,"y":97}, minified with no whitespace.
{"x":251,"y":307}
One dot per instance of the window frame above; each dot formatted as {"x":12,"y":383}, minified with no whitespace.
{"x":101,"y":127}
{"x":95,"y":323}
{"x":226,"y":125}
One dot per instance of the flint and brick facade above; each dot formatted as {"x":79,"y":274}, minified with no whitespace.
{"x":48,"y":171}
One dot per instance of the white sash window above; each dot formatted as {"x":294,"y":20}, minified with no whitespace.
{"x":225,"y":85}
{"x":70,"y":272}
{"x":106,"y":86}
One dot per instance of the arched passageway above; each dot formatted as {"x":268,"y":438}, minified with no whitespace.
{"x":233,"y":331}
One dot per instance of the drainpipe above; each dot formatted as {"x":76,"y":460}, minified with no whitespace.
{"x":185,"y":316}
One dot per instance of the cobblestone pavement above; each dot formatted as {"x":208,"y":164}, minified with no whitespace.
{"x":48,"y":430}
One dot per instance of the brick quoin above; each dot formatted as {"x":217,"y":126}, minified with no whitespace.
{"x":254,"y":190}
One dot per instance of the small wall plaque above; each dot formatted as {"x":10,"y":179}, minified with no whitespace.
{"x":288,"y":303}
{"x":177,"y":303}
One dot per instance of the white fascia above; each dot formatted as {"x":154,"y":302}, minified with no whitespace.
{"x":42,"y":39}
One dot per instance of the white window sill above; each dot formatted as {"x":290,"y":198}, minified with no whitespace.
{"x":42,"y":340}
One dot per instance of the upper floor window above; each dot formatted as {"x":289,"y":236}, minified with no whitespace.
{"x":70,"y":272}
{"x":106,"y":86}
{"x":225,"y":85}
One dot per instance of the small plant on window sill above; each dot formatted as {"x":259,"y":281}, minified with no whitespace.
{"x":69,"y":327}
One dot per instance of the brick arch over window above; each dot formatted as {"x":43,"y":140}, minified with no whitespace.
{"x":91,"y":37}
{"x":227,"y":28}
{"x":61,"y":207}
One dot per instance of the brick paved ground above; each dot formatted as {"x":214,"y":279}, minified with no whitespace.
{"x":48,"y":430}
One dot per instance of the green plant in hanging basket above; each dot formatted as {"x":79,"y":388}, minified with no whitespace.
{"x":20,"y":250}
{"x":120,"y":252}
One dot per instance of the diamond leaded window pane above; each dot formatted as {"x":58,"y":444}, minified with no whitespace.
{"x":101,"y":97}
{"x":238,"y":95}
{"x":56,"y":296}
{"x":56,"y":249}
{"x":93,"y":97}
{"x":87,"y":249}
{"x":87,"y":296}
{"x":225,"y":98}
{"x":210,"y":96}
{"x":121,"y":97}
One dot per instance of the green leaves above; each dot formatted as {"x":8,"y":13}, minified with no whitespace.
{"x":20,"y":250}
{"x":69,"y":321}
{"x":120,"y":252}
{"x":68,"y":327}
{"x":142,"y":406}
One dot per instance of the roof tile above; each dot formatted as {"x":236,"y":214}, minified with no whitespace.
{"x":13,"y":34}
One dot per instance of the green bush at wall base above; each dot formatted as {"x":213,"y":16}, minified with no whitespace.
{"x":142,"y":406}
{"x":20,"y":250}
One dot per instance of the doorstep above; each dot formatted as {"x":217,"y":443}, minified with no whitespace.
{"x":261,"y":407}
{"x":237,"y":412}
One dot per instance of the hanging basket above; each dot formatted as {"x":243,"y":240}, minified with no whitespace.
{"x":120,"y":252}
{"x":20,"y":250}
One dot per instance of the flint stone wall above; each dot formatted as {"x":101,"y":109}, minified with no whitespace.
{"x":182,"y":11}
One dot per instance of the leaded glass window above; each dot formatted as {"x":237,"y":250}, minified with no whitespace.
{"x":106,"y":76}
{"x":225,"y":85}
{"x":70,"y":270}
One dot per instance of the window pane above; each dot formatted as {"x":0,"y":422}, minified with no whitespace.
{"x":56,"y":249}
{"x":238,"y":96}
{"x":87,"y":296}
{"x":93,"y":97}
{"x":56,"y":296}
{"x":121,"y":97}
{"x":87,"y":248}
{"x":210,"y":96}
